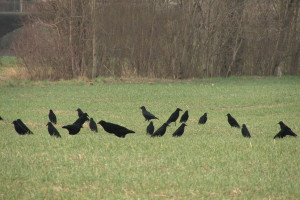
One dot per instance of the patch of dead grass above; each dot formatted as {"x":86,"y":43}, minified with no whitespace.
{"x":14,"y":73}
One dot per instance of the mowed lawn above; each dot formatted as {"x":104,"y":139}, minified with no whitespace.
{"x":209,"y":161}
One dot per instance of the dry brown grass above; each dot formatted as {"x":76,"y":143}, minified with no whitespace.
{"x":14,"y":73}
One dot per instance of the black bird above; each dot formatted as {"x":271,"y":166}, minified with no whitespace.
{"x":150,"y":128}
{"x":116,"y":129}
{"x":285,"y":130}
{"x":174,"y":116}
{"x":203,"y":119}
{"x":23,"y":126}
{"x":93,"y":125}
{"x":52,"y":130}
{"x":73,"y":128}
{"x":179,"y":131}
{"x":18,"y":128}
{"x":81,"y":120}
{"x":245,"y":131}
{"x":232,"y":121}
{"x":148,"y":116}
{"x":80,"y":113}
{"x":184,"y":117}
{"x":1,"y":118}
{"x":52,"y":117}
{"x":160,"y":131}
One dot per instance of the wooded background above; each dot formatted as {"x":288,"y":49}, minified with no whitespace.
{"x":160,"y":38}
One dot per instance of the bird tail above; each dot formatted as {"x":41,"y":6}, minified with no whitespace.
{"x":293,"y":134}
{"x":130,"y":131}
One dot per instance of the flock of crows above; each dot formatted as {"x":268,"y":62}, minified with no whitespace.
{"x":121,"y":131}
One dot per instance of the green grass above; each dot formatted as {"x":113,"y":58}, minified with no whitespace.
{"x":212,"y":161}
{"x":8,"y":61}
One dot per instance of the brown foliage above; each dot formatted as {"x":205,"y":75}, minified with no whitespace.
{"x":161,"y":39}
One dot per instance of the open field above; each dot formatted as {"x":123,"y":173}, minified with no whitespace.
{"x":212,"y":161}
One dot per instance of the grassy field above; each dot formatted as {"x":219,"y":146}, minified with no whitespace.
{"x":212,"y":161}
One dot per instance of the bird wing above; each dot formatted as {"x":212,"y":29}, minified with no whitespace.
{"x":172,"y":117}
{"x":291,"y":133}
{"x":23,"y":126}
{"x":56,"y":133}
{"x":280,"y":134}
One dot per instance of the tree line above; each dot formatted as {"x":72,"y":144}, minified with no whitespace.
{"x":160,"y":39}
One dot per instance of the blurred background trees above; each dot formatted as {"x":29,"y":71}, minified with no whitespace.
{"x":160,"y":39}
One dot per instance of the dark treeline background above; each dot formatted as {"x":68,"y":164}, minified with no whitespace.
{"x":160,"y":38}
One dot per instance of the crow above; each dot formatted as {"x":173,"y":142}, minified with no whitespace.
{"x":80,"y":113}
{"x":1,"y":118}
{"x":232,"y":121}
{"x":160,"y":131}
{"x":184,"y":117}
{"x":73,"y":128}
{"x":52,"y":130}
{"x":23,"y":126}
{"x":285,"y":130}
{"x":203,"y":119}
{"x":52,"y":117}
{"x":179,"y":131}
{"x":174,"y":116}
{"x":150,"y":128}
{"x":81,"y":120}
{"x":93,"y":125}
{"x":245,"y":131}
{"x":148,"y":116}
{"x":115,"y":129}
{"x":18,"y":128}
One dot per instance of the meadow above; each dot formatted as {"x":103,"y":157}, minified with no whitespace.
{"x":211,"y":161}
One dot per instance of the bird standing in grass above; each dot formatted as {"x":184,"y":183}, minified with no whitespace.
{"x":148,"y":116}
{"x":184,"y":117}
{"x":174,"y":116}
{"x":150,"y":128}
{"x":179,"y":131}
{"x":285,"y":130}
{"x":18,"y":128}
{"x":23,"y":126}
{"x":232,"y":121}
{"x":1,"y":118}
{"x":245,"y":131}
{"x":52,"y":130}
{"x":116,"y":129}
{"x":73,"y":128}
{"x":203,"y":119}
{"x":93,"y":125}
{"x":52,"y":117}
{"x":160,"y":131}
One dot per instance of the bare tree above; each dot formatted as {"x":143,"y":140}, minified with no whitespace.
{"x":160,"y":39}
